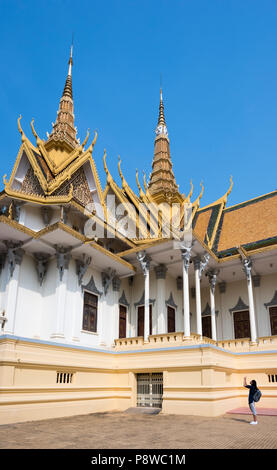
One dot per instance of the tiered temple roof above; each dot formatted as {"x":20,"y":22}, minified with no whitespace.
{"x":60,"y":171}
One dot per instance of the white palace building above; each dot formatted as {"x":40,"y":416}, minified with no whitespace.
{"x":111,"y":299}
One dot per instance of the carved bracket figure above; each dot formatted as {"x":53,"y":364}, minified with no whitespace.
{"x":3,"y":320}
{"x":14,"y":254}
{"x":41,"y":265}
{"x":82,"y":267}
{"x":46,"y":213}
{"x":63,"y":257}
{"x":2,"y":260}
{"x":107,"y":278}
{"x":186,"y":254}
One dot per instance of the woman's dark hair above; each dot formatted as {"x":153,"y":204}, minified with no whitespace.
{"x":253,"y":382}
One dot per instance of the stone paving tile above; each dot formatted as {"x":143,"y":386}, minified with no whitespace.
{"x":119,"y":430}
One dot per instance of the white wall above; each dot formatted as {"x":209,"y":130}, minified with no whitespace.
{"x":37,"y":306}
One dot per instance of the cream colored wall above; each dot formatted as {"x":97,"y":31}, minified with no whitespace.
{"x":201,"y":380}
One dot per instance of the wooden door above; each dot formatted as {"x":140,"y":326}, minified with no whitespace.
{"x":122,"y":321}
{"x":242,"y":324}
{"x":141,"y":320}
{"x":207,"y":326}
{"x":273,"y":320}
{"x":170,"y":319}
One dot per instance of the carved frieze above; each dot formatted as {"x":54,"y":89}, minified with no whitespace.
{"x":123,"y":301}
{"x":170,"y":302}
{"x":240,"y":305}
{"x":142,"y":301}
{"x":91,"y":287}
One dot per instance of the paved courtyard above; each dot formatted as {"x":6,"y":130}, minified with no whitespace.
{"x":132,"y":430}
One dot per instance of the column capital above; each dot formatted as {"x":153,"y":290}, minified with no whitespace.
{"x":160,"y":271}
{"x":212,"y":275}
{"x":196,"y":262}
{"x":200,"y":263}
{"x":186,"y":254}
{"x":144,"y":260}
{"x":247,"y":268}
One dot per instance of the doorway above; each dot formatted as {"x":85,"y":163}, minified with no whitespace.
{"x":150,"y":390}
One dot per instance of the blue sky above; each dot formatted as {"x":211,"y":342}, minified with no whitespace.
{"x":218,"y":61}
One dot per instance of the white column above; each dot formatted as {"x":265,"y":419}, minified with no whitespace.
{"x":198,"y":296}
{"x":212,"y":279}
{"x":160,"y":271}
{"x":130,"y":327}
{"x":185,"y":253}
{"x":247,"y":266}
{"x":199,"y":266}
{"x":14,"y":259}
{"x":116,"y":286}
{"x":63,"y":258}
{"x":60,"y":304}
{"x":144,"y":260}
{"x":11,"y":299}
{"x":146,"y":307}
{"x":2,"y":278}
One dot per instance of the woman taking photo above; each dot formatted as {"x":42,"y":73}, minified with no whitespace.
{"x":252,"y":389}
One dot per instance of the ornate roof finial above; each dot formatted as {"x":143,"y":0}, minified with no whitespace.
{"x":23,"y":137}
{"x":161,"y":128}
{"x":161,"y":119}
{"x":139,"y":186}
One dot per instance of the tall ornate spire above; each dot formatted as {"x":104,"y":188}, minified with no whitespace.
{"x":161,"y":120}
{"x":162,"y":183}
{"x":63,"y":129}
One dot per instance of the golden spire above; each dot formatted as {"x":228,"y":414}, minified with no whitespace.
{"x":162,"y":185}
{"x":64,"y":129}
